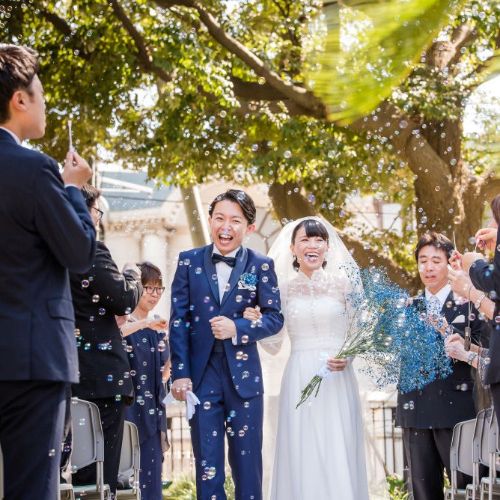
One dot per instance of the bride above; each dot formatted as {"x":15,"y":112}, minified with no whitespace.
{"x":319,"y":451}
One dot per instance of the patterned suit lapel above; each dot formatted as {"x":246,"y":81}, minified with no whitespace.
{"x":241,"y":262}
{"x":211,"y":271}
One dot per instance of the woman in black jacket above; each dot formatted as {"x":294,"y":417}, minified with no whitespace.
{"x":98,"y":295}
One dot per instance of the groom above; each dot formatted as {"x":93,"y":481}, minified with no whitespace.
{"x":214,"y":349}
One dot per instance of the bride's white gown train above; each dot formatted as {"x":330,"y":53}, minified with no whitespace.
{"x":320,"y":452}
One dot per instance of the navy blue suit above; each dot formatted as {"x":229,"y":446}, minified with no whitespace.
{"x":226,"y":378}
{"x":46,"y":230}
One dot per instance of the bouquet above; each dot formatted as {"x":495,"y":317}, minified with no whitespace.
{"x":397,"y":342}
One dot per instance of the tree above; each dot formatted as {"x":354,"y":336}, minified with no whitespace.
{"x":197,"y":90}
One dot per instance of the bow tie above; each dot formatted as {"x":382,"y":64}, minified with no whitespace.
{"x":217,"y":257}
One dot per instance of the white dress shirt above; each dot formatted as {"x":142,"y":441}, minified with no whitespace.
{"x":441,"y":296}
{"x":14,"y":136}
{"x":223,"y":274}
{"x":223,"y":271}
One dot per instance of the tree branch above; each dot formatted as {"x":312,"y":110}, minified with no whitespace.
{"x":143,"y":54}
{"x":444,"y":53}
{"x":403,"y":132}
{"x":64,"y":28}
{"x":299,"y":95}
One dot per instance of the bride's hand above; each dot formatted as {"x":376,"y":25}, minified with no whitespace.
{"x":336,"y":365}
{"x":252,"y":313}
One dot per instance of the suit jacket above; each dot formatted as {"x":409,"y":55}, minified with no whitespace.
{"x":46,"y":230}
{"x":486,"y":277}
{"x":98,"y":295}
{"x":195,"y":300}
{"x":444,"y":402}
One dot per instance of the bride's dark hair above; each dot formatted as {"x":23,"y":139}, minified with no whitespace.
{"x":312,"y":228}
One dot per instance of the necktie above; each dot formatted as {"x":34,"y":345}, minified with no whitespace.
{"x":230,"y":261}
{"x":434,"y":306}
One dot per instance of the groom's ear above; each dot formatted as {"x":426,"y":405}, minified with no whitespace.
{"x":251,"y":228}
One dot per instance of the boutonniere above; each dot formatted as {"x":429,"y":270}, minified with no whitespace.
{"x":248,"y":281}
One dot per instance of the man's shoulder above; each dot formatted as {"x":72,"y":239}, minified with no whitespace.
{"x":258,"y":256}
{"x":193,"y":252}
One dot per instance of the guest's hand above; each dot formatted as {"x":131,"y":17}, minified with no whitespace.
{"x":438,"y":322}
{"x":76,"y":170}
{"x":468,"y":258}
{"x":158,"y":324}
{"x":336,"y":364}
{"x":180,"y":387}
{"x":486,"y":238}
{"x":121,"y":320}
{"x":460,"y":282}
{"x":222,"y":327}
{"x":252,"y":313}
{"x":454,"y":347}
{"x":455,"y":260}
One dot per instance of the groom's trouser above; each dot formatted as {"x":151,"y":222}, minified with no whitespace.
{"x":31,"y":432}
{"x":222,"y":411}
{"x":428,"y":455}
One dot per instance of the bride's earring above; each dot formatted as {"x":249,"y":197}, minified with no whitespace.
{"x":295,"y":263}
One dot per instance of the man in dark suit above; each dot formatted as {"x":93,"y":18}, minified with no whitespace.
{"x":100,"y":293}
{"x":429,"y":415}
{"x":214,"y":349}
{"x":46,"y":230}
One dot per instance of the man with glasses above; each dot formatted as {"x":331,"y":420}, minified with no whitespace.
{"x":98,"y":295}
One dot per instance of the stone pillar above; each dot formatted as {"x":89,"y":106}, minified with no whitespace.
{"x":154,"y":249}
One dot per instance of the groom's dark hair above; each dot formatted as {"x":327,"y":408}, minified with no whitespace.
{"x":240,"y":198}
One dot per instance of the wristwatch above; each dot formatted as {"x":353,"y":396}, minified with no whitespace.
{"x":471,"y":357}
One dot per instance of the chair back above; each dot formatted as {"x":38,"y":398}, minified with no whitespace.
{"x":464,"y":452}
{"x":485,"y":437}
{"x":88,"y":438}
{"x":478,"y":436}
{"x":130,"y":454}
{"x":493,"y":441}
{"x":130,"y":457}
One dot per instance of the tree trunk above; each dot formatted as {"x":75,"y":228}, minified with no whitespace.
{"x":195,"y":216}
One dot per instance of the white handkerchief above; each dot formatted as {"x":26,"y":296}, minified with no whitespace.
{"x":191,"y":402}
{"x":459,"y":319}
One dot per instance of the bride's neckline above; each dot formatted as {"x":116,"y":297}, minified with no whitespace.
{"x":316,"y":274}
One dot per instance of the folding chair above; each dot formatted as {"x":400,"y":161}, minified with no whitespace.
{"x":460,"y":457}
{"x":130,"y":463}
{"x":88,"y":447}
{"x":490,"y":485}
{"x":472,"y":490}
{"x":66,"y":492}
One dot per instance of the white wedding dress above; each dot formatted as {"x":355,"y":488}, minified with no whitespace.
{"x":320,"y":451}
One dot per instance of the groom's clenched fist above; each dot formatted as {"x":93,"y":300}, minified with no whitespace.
{"x":180,"y":387}
{"x":223,"y":328}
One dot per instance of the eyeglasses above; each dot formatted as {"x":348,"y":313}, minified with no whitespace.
{"x":99,"y":212}
{"x":154,"y":289}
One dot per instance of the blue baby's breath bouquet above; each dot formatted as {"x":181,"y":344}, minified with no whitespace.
{"x":397,"y":342}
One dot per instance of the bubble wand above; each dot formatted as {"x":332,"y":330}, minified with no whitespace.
{"x":70,"y":135}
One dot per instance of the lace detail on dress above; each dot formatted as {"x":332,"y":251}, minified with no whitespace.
{"x":315,"y":312}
